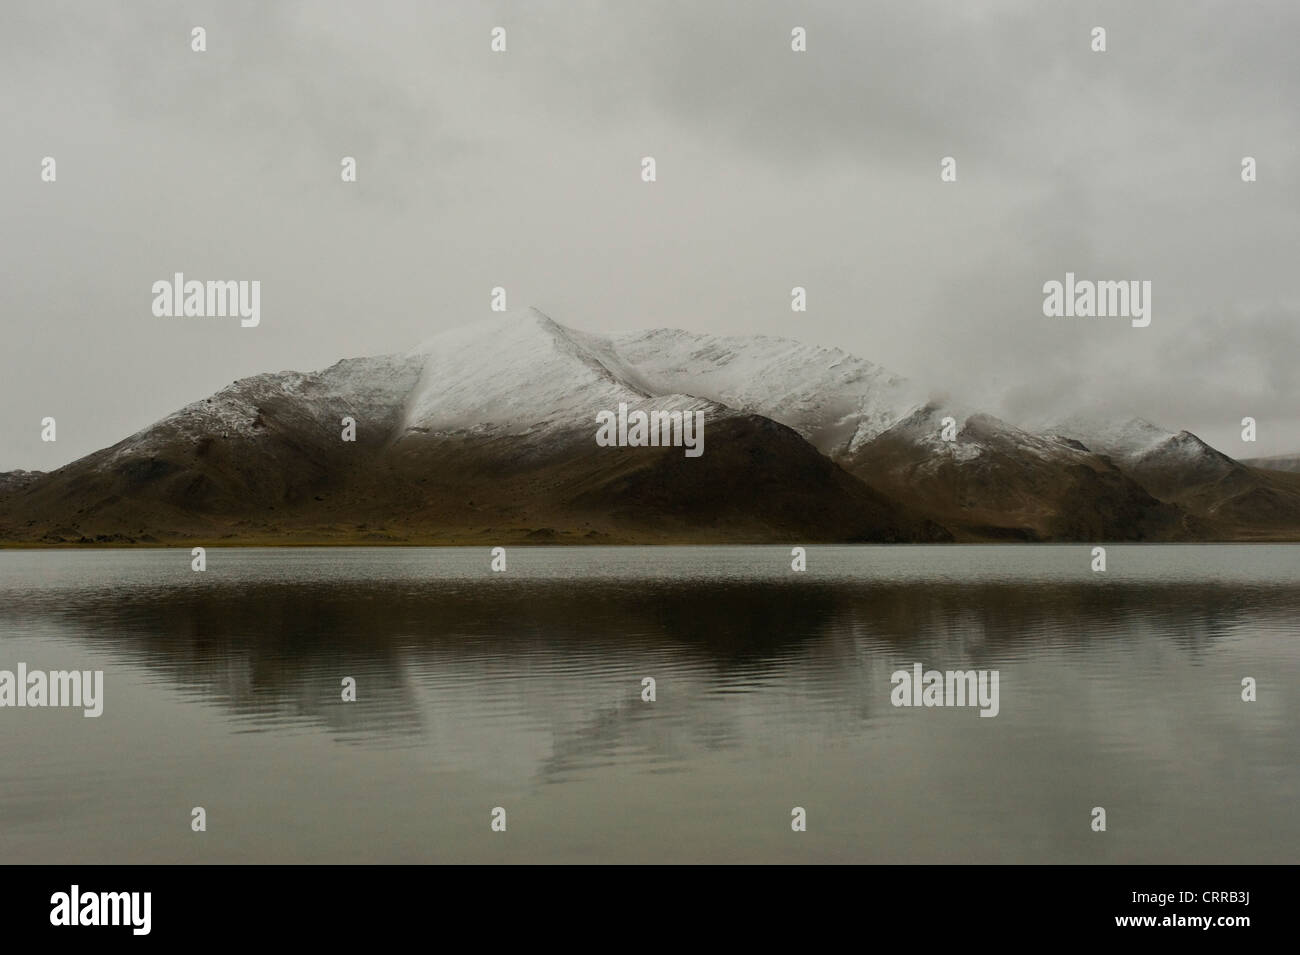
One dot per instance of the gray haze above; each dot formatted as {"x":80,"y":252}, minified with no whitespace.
{"x":775,"y":169}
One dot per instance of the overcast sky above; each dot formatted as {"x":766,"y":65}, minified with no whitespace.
{"x":775,"y":169}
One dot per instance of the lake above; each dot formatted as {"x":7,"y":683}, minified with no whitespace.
{"x":772,"y":690}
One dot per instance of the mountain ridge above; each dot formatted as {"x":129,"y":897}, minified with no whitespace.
{"x":486,"y":431}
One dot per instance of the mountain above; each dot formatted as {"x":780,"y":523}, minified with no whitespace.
{"x":487,"y":434}
{"x":1162,"y":460}
{"x":993,"y":481}
{"x":1280,"y":462}
{"x":483,"y":434}
{"x":1229,"y":499}
{"x":16,"y":480}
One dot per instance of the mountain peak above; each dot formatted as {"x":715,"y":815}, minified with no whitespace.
{"x":1122,"y":437}
{"x":519,"y":370}
{"x":514,"y":323}
{"x":536,"y":314}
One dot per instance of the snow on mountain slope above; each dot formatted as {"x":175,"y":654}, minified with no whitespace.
{"x":523,"y":373}
{"x":835,"y":400}
{"x":371,"y":390}
{"x":1137,"y":443}
{"x":976,"y":434}
{"x":518,"y":374}
{"x":843,"y":405}
{"x":1123,"y":439}
{"x":528,"y":373}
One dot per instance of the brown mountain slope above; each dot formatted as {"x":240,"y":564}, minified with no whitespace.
{"x":759,"y":482}
{"x":996,"y":483}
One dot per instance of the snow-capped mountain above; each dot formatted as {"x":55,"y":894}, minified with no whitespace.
{"x":529,"y":377}
{"x":369,"y":389}
{"x":487,"y":432}
{"x":1139,"y":444}
{"x":837,"y":401}
{"x":1180,"y":468}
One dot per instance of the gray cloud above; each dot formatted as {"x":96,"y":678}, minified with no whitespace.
{"x":775,"y":169}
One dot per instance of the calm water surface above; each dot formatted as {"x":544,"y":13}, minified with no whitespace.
{"x":523,"y":690}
